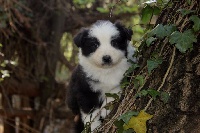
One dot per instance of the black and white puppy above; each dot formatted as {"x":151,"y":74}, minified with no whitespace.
{"x":104,"y":49}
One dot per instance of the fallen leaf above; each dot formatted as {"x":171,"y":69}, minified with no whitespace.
{"x":138,"y":123}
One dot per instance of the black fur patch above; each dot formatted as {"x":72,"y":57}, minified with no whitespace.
{"x":89,"y":46}
{"x":81,"y":96}
{"x":121,"y":41}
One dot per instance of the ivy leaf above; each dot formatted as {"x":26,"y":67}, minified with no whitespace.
{"x":183,"y":41}
{"x":169,"y":29}
{"x":129,"y":131}
{"x":153,"y":93}
{"x":150,"y":40}
{"x":153,"y":63}
{"x":147,"y":13}
{"x":136,"y":84}
{"x":164,"y":96}
{"x":196,"y":21}
{"x":119,"y":124}
{"x":159,"y":31}
{"x":162,"y":31}
{"x":127,"y":116}
{"x":185,"y":11}
{"x":131,"y":69}
{"x":156,"y":10}
{"x":138,"y":81}
{"x":138,"y":123}
{"x":141,"y":93}
{"x":124,"y":83}
{"x":141,"y":80}
{"x":113,"y":95}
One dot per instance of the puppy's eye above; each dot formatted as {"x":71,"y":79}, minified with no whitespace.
{"x":96,"y":45}
{"x":92,"y":44}
{"x":114,"y":43}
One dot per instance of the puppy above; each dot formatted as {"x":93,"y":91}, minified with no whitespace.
{"x":103,"y":53}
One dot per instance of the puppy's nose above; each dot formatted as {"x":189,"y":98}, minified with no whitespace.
{"x":106,"y":59}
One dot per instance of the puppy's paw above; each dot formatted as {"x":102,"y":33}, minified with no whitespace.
{"x":95,"y":124}
{"x":104,"y":113}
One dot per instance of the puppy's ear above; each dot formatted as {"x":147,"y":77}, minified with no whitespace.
{"x":127,"y":31}
{"x":80,"y":37}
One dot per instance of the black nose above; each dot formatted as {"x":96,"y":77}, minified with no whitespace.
{"x":107,"y":59}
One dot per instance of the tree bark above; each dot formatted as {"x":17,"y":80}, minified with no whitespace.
{"x":179,"y":75}
{"x":181,"y":113}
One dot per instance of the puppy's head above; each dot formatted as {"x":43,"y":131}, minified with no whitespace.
{"x":104,"y":44}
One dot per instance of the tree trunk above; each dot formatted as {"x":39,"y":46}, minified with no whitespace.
{"x":182,"y":112}
{"x":179,"y":75}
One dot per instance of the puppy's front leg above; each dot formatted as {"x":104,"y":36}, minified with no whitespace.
{"x":92,"y":118}
{"x":104,"y":111}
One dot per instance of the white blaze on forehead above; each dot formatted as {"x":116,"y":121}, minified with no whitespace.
{"x":103,"y":31}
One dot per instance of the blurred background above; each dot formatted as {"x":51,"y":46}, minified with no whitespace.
{"x":37,"y":56}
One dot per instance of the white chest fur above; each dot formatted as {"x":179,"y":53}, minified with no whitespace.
{"x":108,"y":78}
{"x":108,"y":81}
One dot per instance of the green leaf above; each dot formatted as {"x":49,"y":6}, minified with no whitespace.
{"x":156,"y":10}
{"x":128,"y":131}
{"x":162,"y":31}
{"x":132,"y":68}
{"x":113,"y":95}
{"x":124,"y":82}
{"x":136,"y":84}
{"x":185,"y":11}
{"x":141,"y":93}
{"x":170,"y":29}
{"x":183,"y":41}
{"x":127,"y":116}
{"x":147,"y":13}
{"x":164,"y":96}
{"x":141,"y":80}
{"x":102,"y":10}
{"x":138,"y":81}
{"x":196,"y":21}
{"x":150,"y":40}
{"x":119,"y":124}
{"x":153,"y":93}
{"x":153,"y":63}
{"x":155,"y":55}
